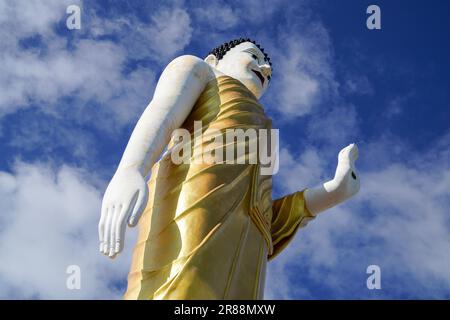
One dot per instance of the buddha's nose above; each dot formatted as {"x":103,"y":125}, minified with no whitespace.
{"x":266,"y":70}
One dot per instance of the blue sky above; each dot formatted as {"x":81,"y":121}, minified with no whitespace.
{"x":70,"y":98}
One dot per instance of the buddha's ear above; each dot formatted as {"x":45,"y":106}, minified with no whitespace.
{"x":211,"y":60}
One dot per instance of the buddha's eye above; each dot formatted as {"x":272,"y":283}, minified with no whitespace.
{"x":255,"y":57}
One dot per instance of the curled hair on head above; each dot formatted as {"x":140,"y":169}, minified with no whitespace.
{"x":221,"y":50}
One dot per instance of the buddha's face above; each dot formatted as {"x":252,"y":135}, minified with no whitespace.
{"x":245,"y":62}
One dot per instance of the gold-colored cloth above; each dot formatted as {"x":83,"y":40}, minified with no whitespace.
{"x":209,"y":229}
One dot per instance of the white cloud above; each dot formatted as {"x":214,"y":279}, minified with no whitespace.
{"x":399,"y":221}
{"x":305,"y":77}
{"x":359,"y":85}
{"x":217,"y":15}
{"x":337,"y":125}
{"x":260,"y":11}
{"x":396,"y":105}
{"x":27,"y":17}
{"x":49,"y":215}
{"x":170,"y":31}
{"x":49,"y":221}
{"x":86,"y":70}
{"x":309,"y":166}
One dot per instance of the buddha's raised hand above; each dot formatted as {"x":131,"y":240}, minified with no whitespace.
{"x":346,"y":178}
{"x":123,"y":202}
{"x":344,"y":185}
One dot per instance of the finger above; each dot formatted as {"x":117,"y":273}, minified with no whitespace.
{"x":101,"y":227}
{"x":345,"y":151}
{"x":107,"y":230}
{"x":356,"y":152}
{"x":137,"y":208}
{"x":120,"y":229}
{"x":112,"y":237}
{"x":351,"y":155}
{"x":104,"y":237}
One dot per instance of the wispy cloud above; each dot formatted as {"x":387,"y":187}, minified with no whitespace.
{"x":217,"y":15}
{"x":164,"y":33}
{"x":103,"y":75}
{"x":358,"y":85}
{"x":398,"y":221}
{"x":304,"y":74}
{"x":48,"y":222}
{"x":88,"y":68}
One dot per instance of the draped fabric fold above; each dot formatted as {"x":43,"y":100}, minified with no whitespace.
{"x":289,"y":214}
{"x":208,"y":228}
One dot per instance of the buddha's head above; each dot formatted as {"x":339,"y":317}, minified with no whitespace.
{"x":245,"y":61}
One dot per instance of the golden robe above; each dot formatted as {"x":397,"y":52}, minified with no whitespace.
{"x":208,"y":230}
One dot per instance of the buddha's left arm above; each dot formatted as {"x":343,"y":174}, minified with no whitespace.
{"x":295,"y":210}
{"x":289,"y":213}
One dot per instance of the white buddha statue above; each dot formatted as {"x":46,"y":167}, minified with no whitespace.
{"x":207,"y":230}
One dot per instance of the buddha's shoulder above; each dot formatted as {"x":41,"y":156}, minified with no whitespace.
{"x":199,"y":66}
{"x":191,"y":64}
{"x":188,"y":60}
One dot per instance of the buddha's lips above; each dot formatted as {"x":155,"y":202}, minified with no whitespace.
{"x":260,"y":76}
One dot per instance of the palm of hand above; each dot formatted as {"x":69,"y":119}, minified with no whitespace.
{"x":346,"y":177}
{"x":123,"y":202}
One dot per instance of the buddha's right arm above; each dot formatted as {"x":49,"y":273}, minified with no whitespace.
{"x":179,"y":86}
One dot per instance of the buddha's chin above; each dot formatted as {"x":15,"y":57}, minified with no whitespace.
{"x":255,"y":88}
